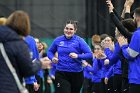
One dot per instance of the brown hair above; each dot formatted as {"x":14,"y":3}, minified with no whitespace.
{"x":19,"y":21}
{"x":96,"y":39}
{"x":103,"y":36}
{"x":129,"y":24}
{"x":137,"y":11}
{"x":72,"y":22}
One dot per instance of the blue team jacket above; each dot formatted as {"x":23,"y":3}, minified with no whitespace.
{"x":64,"y":47}
{"x":96,"y":70}
{"x":113,"y":57}
{"x":104,"y":68}
{"x":110,"y":72}
{"x":52,"y":70}
{"x":131,"y":52}
{"x":34,"y":55}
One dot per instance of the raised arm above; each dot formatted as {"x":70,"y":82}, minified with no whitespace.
{"x":126,"y":11}
{"x":127,"y":7}
{"x":117,"y":22}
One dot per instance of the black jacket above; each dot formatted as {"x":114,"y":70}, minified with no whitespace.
{"x":18,"y":53}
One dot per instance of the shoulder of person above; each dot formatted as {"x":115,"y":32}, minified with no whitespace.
{"x":78,"y":37}
{"x":137,"y":32}
{"x":60,"y":37}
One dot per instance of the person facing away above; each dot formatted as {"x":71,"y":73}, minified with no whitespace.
{"x":11,"y":35}
{"x":71,"y":49}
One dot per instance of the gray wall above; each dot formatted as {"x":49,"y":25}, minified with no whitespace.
{"x":48,"y":17}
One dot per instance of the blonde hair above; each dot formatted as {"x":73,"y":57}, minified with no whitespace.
{"x":44,"y":45}
{"x":3,"y":20}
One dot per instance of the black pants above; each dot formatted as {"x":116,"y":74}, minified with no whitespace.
{"x":87,"y":86}
{"x":104,"y":86}
{"x":30,"y":88}
{"x":117,"y":83}
{"x":97,"y":87}
{"x":47,"y":86}
{"x":68,"y":82}
{"x":40,"y":82}
{"x":134,"y":88}
{"x":125,"y":85}
{"x":110,"y":85}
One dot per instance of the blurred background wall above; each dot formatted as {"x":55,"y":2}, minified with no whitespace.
{"x":48,"y":17}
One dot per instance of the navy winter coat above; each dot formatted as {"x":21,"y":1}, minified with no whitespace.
{"x":18,"y":53}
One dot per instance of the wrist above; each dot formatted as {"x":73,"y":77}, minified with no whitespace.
{"x":127,"y":10}
{"x":35,"y":83}
{"x":127,"y":6}
{"x":111,"y":11}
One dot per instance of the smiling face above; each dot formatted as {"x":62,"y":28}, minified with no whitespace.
{"x":109,"y":42}
{"x":69,"y":30}
{"x":97,"y":48}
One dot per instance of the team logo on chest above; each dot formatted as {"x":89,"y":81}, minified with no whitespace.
{"x":61,"y":43}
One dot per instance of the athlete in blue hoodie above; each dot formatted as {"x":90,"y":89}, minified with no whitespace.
{"x":31,"y":81}
{"x":113,"y":56}
{"x":96,"y":77}
{"x":113,"y":59}
{"x":132,"y":53}
{"x":94,"y":71}
{"x":71,"y":49}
